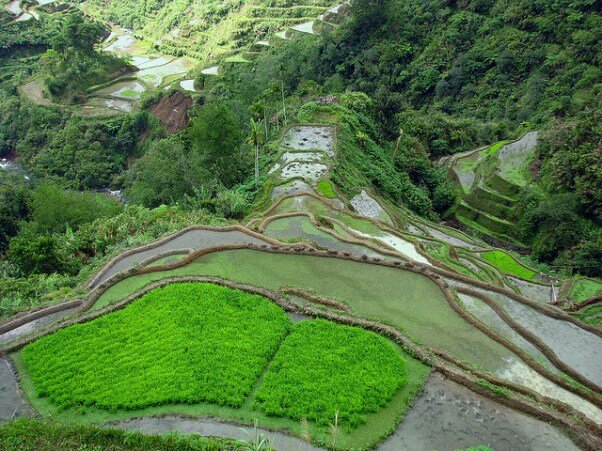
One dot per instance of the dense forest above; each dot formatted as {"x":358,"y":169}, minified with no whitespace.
{"x":451,"y":75}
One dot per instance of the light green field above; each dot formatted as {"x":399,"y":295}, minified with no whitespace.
{"x":326,"y":189}
{"x":325,"y":370}
{"x":187,"y":342}
{"x":507,"y":264}
{"x":404,"y":299}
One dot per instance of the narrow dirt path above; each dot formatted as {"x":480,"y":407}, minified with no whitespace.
{"x":208,"y":427}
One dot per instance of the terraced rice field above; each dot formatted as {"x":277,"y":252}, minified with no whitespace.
{"x":304,"y":368}
{"x":491,"y":178}
{"x":410,"y":301}
{"x":183,"y":343}
{"x":508,"y":264}
{"x":202,"y":346}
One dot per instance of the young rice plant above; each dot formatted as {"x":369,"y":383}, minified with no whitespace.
{"x":183,"y":343}
{"x":323,"y":368}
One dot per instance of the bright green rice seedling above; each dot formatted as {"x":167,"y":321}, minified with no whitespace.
{"x":326,"y":189}
{"x":323,"y":368}
{"x":508,"y":265}
{"x":183,"y":343}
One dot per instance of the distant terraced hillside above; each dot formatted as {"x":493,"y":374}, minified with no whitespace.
{"x":490,"y":179}
{"x":205,"y":30}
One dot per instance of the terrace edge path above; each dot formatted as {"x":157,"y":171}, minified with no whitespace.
{"x":208,"y":427}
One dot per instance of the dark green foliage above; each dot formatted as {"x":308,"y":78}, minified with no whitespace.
{"x":39,"y":255}
{"x":37,"y":435}
{"x":323,"y":368}
{"x":80,"y":152}
{"x":14,"y":199}
{"x":572,"y":151}
{"x":210,"y":156}
{"x":56,"y":210}
{"x":216,"y":137}
{"x":183,"y":343}
{"x":559,"y":234}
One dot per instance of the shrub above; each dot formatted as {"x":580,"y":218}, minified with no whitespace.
{"x":39,"y":435}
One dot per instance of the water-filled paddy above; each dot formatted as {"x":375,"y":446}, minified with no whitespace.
{"x":193,"y":239}
{"x":447,"y":417}
{"x":306,"y":27}
{"x":210,"y":70}
{"x":300,"y":228}
{"x":308,"y":171}
{"x":187,"y":85}
{"x":291,"y":188}
{"x":14,"y":7}
{"x":576,"y":347}
{"x":367,"y":206}
{"x":309,"y":137}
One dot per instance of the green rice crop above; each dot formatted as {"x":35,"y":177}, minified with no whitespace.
{"x":326,"y":189}
{"x":507,"y":264}
{"x":182,"y":343}
{"x":323,"y":368}
{"x":584,"y":289}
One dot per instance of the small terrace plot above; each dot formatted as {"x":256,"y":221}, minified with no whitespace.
{"x":323,"y":368}
{"x":308,"y":171}
{"x":310,"y":137}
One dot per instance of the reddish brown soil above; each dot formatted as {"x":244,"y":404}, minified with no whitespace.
{"x":172,"y":111}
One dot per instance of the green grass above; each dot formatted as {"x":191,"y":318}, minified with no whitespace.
{"x":185,"y":343}
{"x":407,"y":300}
{"x":592,"y":314}
{"x":507,"y":264}
{"x":323,"y":369}
{"x":30,"y":435}
{"x":236,"y":59}
{"x":494,"y":148}
{"x":584,"y":289}
{"x":326,"y":189}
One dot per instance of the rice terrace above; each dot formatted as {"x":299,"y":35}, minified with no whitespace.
{"x":351,"y":276}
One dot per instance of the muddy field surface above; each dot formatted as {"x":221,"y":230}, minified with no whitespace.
{"x":11,"y":404}
{"x":35,"y":325}
{"x":447,"y":416}
{"x":194,"y":239}
{"x":309,"y":137}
